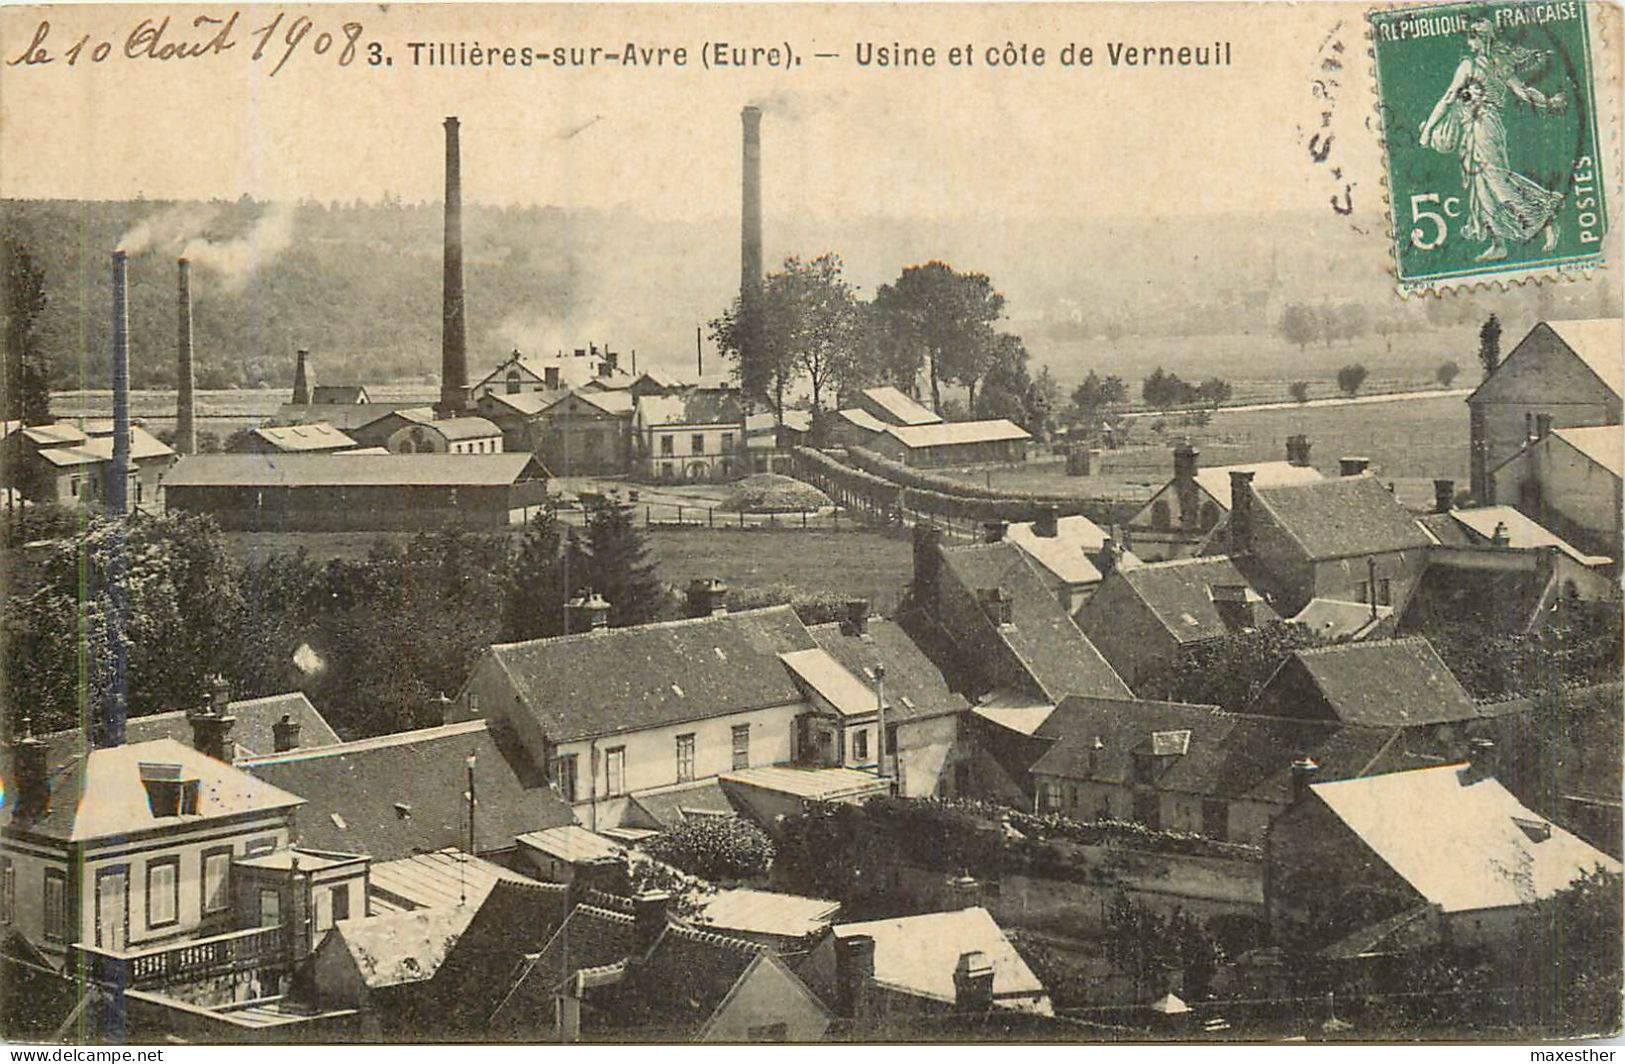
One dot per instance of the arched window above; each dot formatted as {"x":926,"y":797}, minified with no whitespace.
{"x":513,"y":381}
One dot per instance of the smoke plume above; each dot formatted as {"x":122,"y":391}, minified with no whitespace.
{"x":166,"y":230}
{"x":236,"y":260}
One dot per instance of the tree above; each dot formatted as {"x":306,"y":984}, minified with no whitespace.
{"x":537,"y":582}
{"x":1298,"y":325}
{"x":1163,"y":390}
{"x":1299,"y":390}
{"x":1350,"y":377}
{"x":1094,"y":399}
{"x":1489,"y":343}
{"x":818,"y":316}
{"x":1446,"y":372}
{"x":618,"y":566}
{"x":946,"y":316}
{"x":714,"y":847}
{"x":1009,"y":390}
{"x":26,"y":378}
{"x":1214,"y":392}
{"x":745,"y":334}
{"x":1228,"y":671}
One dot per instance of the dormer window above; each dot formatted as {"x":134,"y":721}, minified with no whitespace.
{"x":167,"y":793}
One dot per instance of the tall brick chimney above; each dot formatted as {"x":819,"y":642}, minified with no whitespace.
{"x":185,"y":423}
{"x":118,"y":477}
{"x":750,"y":227}
{"x":302,"y":385}
{"x":453,"y":336}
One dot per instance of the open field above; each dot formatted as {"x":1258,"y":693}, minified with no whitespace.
{"x":843,"y":564}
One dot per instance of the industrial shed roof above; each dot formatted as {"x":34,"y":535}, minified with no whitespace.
{"x":321,"y":470}
{"x":901,"y":409}
{"x":100,"y":449}
{"x":430,"y":880}
{"x":949,"y":433}
{"x":313,"y":436}
{"x":464,"y":428}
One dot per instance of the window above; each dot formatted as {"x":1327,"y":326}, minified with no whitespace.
{"x":860,"y":745}
{"x":56,"y":905}
{"x":564,"y":776}
{"x":891,"y":738}
{"x":163,"y":891}
{"x":685,"y":757}
{"x":727,"y":442}
{"x":696,"y":443}
{"x":1072,"y":796}
{"x":341,"y":902}
{"x":741,"y":737}
{"x":74,"y":484}
{"x":167,"y":793}
{"x":8,"y":891}
{"x":1049,"y":796}
{"x":1385,"y":592}
{"x":270,"y":908}
{"x":217,"y":880}
{"x":668,"y":445}
{"x":615,"y":771}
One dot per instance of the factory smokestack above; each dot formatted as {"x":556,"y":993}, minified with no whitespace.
{"x":750,"y":231}
{"x":453,"y":347}
{"x":185,"y":424}
{"x":118,"y":477}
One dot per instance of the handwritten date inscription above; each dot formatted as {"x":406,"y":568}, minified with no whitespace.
{"x":278,"y":41}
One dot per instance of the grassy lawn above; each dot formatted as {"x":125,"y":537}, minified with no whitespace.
{"x":843,"y":564}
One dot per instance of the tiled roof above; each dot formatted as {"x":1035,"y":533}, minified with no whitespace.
{"x":397,"y":795}
{"x":253,"y":733}
{"x":1180,"y":594}
{"x":311,"y":436}
{"x":1342,"y":517}
{"x":949,"y":433}
{"x":1052,"y":649}
{"x":1382,"y":682}
{"x":323,"y":470}
{"x":627,"y":679}
{"x":1602,"y":445}
{"x":590,"y":937}
{"x":1462,"y":845}
{"x":1215,"y":480}
{"x":429,"y":880}
{"x":917,"y":954}
{"x":1598,"y":343}
{"x":1065,"y":554}
{"x":901,"y":409}
{"x":405,"y":947}
{"x":914,"y":686}
{"x":99,"y":793}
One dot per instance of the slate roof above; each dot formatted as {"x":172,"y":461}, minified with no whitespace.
{"x":950,"y":433}
{"x":399,"y":948}
{"x":1341,"y":517}
{"x":526,"y":403}
{"x":1382,"y":682}
{"x":902,"y":409}
{"x":917,"y":954}
{"x":347,"y":417}
{"x":590,"y":937}
{"x":252,"y":734}
{"x":1179,"y":594}
{"x":100,"y":793}
{"x":311,"y":436}
{"x":1601,"y":445}
{"x":627,"y":679}
{"x":1215,"y":480}
{"x":397,"y":795}
{"x":1332,"y":619}
{"x":324,"y":470}
{"x":915,"y":687}
{"x":1053,"y":650}
{"x":1461,"y":845}
{"x":1506,"y":600}
{"x":673,"y":805}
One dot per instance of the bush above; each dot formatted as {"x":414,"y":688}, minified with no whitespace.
{"x":770,"y":493}
{"x":1299,"y":390}
{"x":714,"y":847}
{"x":1350,"y":377}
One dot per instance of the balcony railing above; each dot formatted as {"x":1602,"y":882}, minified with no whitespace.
{"x":198,"y":958}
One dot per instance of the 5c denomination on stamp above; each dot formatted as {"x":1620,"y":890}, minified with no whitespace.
{"x":1491,"y":141}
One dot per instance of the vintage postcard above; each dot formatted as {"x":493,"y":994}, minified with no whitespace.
{"x":592,"y":523}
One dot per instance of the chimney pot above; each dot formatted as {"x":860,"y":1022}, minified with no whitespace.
{"x":1444,"y":496}
{"x":995,"y":603}
{"x":973,"y":982}
{"x":1241,"y":511}
{"x":1048,"y":522}
{"x":649,"y":912}
{"x":211,"y":735}
{"x":1111,"y":555}
{"x":857,"y":616}
{"x":1187,"y":460}
{"x":285,"y":733}
{"x":1304,"y":771}
{"x":1352,"y":465}
{"x":707,"y":597}
{"x":854,"y":972}
{"x":1501,"y":537}
{"x":1297,"y":450}
{"x":1543,"y":426}
{"x":31,"y":775}
{"x":993,"y":531}
{"x":586,"y":612}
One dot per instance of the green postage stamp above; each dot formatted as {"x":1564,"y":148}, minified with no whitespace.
{"x":1493,"y":165}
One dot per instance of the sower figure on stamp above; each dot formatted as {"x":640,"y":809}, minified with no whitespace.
{"x":1503,"y":206}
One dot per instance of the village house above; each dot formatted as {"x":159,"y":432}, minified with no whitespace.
{"x":1403,"y":860}
{"x":538,"y":373}
{"x":1142,"y":617}
{"x":1568,"y":480}
{"x":1561,"y":375}
{"x":1344,"y":539}
{"x":1380,"y":683}
{"x":457,"y":435}
{"x":392,"y":796}
{"x":1071,"y":554}
{"x":990,"y":623}
{"x":932,"y":963}
{"x":254,"y":726}
{"x":313,"y":492}
{"x":623,"y":970}
{"x":698,"y":434}
{"x":1186,"y":511}
{"x":586,"y":433}
{"x":68,"y":464}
